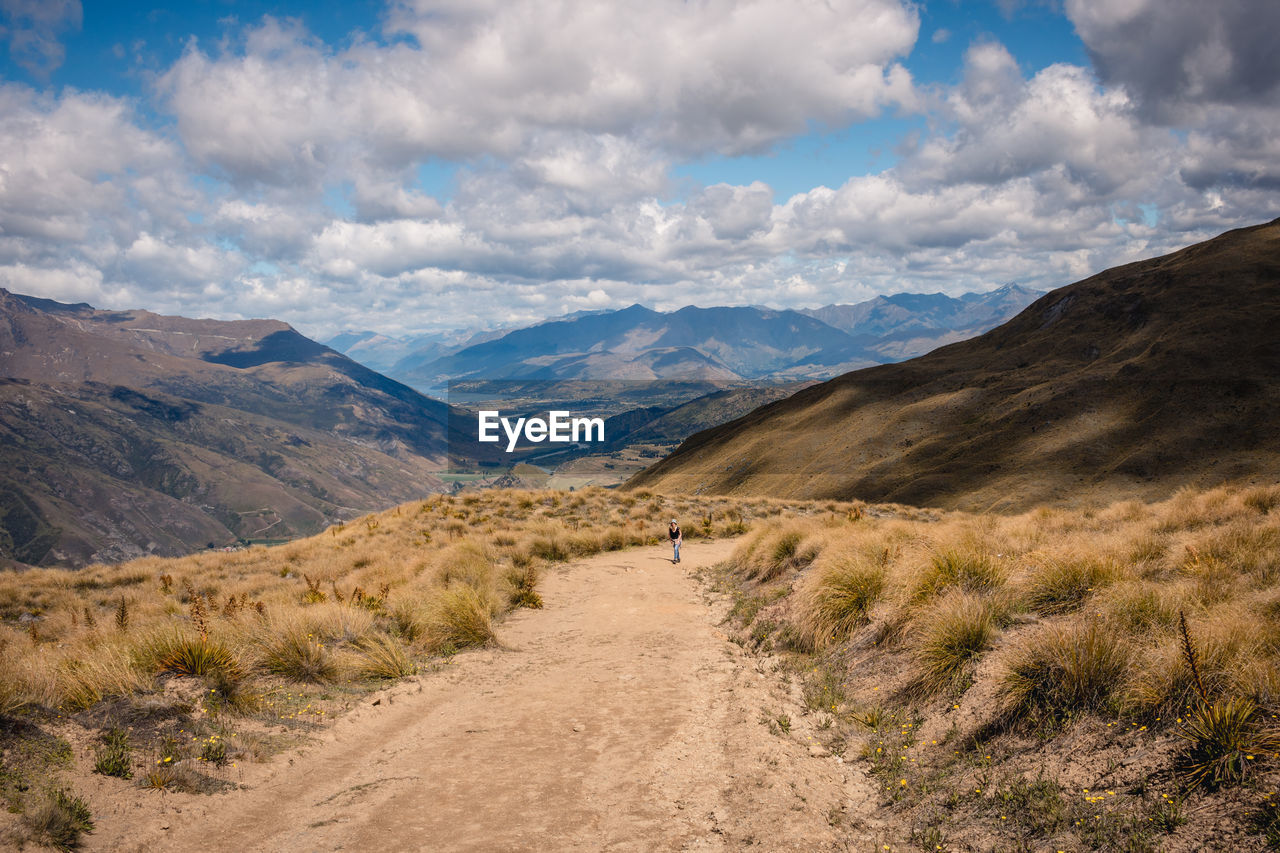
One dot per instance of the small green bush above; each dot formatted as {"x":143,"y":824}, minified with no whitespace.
{"x":113,"y":755}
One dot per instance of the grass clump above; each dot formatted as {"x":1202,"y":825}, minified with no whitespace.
{"x":840,"y":599}
{"x":1061,"y":585}
{"x":300,"y":657}
{"x":59,"y":820}
{"x":383,"y":657}
{"x":460,"y":617}
{"x":1065,"y":669}
{"x":956,"y":631}
{"x":522,"y":585}
{"x":969,"y":570}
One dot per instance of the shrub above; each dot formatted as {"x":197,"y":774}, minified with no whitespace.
{"x":1065,"y":669}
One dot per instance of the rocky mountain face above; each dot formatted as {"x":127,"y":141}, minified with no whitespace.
{"x":124,"y":433}
{"x":1131,"y":383}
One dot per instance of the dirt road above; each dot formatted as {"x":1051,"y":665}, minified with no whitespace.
{"x":617,"y":718}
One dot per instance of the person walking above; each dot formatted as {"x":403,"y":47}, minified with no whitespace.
{"x":673,"y":532}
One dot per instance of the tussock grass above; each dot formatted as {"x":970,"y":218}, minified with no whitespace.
{"x":1061,"y":584}
{"x":1048,"y":642}
{"x":840,"y":593}
{"x":967,"y":569}
{"x":956,"y":630}
{"x":1066,"y":668}
{"x":383,"y":657}
{"x":460,"y":617}
{"x":239,"y":620}
{"x":298,"y":656}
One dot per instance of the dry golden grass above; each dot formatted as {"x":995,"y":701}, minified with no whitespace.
{"x":1019,"y":629}
{"x":366,"y":599}
{"x":1119,"y":575}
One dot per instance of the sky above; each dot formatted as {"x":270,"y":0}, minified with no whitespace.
{"x":427,"y":165}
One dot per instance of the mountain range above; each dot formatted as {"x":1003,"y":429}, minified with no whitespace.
{"x":1131,"y":383}
{"x":716,"y":344}
{"x":124,"y":433}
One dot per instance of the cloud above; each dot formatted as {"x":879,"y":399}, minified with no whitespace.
{"x":71,"y":169}
{"x":1210,"y":69}
{"x":495,"y":78}
{"x":34,"y":28}
{"x":1176,"y":55}
{"x":734,"y":212}
{"x":293,"y":179}
{"x":1008,"y":128}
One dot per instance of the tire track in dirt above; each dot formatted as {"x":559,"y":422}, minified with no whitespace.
{"x":617,"y":718}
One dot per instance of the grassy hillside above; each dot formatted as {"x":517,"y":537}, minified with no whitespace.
{"x":1133,"y":382}
{"x":1055,"y":680}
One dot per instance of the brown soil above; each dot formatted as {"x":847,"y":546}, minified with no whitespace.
{"x":620,"y":717}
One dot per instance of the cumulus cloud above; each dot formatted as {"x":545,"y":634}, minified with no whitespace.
{"x":289,"y":181}
{"x":1175,"y":55}
{"x":491,"y":78}
{"x":1059,"y":120}
{"x":1211,"y":69}
{"x":34,"y":28}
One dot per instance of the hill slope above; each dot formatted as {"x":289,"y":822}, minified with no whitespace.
{"x":125,"y":433}
{"x":1132,"y":382}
